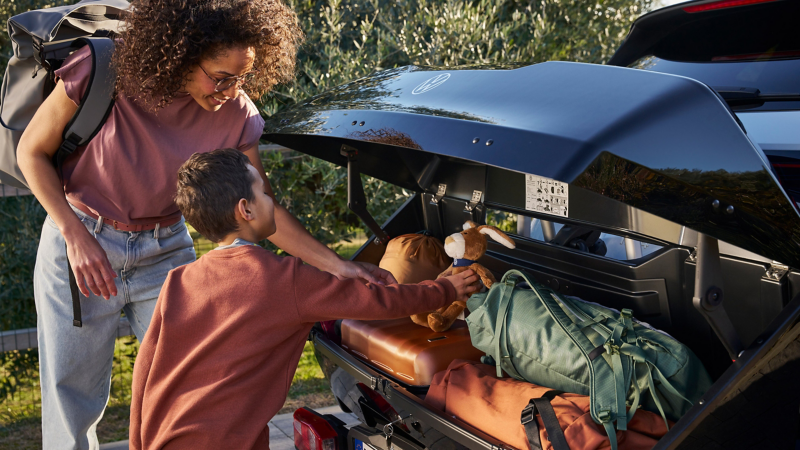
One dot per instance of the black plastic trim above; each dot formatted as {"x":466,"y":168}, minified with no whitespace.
{"x":732,"y":377}
{"x":449,"y":426}
{"x":403,"y":399}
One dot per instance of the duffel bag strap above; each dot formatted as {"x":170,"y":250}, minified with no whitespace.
{"x":544,"y":409}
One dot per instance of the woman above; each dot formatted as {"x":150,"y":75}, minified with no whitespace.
{"x":182,"y":68}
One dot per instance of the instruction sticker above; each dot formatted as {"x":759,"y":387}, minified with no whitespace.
{"x":546,"y":195}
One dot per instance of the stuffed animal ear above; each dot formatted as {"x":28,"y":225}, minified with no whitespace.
{"x":497,"y":235}
{"x":469,"y":224}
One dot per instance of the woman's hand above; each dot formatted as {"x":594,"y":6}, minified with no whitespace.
{"x":35,"y":151}
{"x":89,"y":262}
{"x":366,"y":271}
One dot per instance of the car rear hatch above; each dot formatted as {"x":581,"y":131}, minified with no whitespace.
{"x":747,"y":51}
{"x":710,"y":31}
{"x":647,"y":156}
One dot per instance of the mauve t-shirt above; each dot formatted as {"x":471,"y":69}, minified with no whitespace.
{"x":128,"y":172}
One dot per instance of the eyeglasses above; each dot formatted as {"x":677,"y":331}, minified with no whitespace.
{"x":227,"y":82}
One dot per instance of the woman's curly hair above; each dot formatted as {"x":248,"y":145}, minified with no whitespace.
{"x":162,"y":40}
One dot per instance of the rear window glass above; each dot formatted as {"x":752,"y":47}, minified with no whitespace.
{"x":771,"y":77}
{"x":617,"y":247}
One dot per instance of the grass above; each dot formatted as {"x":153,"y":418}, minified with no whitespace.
{"x":24,"y":431}
{"x":347,"y":249}
{"x":19,"y":378}
{"x":201,"y":244}
{"x":20,"y":413}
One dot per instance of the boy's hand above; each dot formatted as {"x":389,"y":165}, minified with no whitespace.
{"x":465,"y":284}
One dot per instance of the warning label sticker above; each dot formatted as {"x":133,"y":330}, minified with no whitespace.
{"x":546,"y":195}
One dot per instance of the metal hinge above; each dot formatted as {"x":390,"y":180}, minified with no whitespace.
{"x":440,"y":191}
{"x":776,"y":271}
{"x":476,"y":199}
{"x":692,"y":256}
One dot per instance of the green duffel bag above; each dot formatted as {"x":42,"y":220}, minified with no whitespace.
{"x":564,"y":343}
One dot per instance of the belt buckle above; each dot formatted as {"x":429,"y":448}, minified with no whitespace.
{"x":114,"y":224}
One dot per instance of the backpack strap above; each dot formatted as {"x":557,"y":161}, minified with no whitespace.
{"x":96,"y":105}
{"x":97,"y":101}
{"x":603,"y":401}
{"x":544,"y":409}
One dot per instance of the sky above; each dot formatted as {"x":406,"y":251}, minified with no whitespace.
{"x":663,"y":3}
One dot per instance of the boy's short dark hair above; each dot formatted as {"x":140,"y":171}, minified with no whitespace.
{"x":209,"y":187}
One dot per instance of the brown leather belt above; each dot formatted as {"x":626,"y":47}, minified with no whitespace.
{"x":124,"y":226}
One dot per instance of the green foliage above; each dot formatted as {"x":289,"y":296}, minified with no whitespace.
{"x":348,"y":39}
{"x":21,"y":220}
{"x":316,"y":193}
{"x":19,"y":388}
{"x":125,"y":351}
{"x":19,"y":380}
{"x":504,"y":221}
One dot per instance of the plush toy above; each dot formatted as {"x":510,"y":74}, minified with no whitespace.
{"x":465,"y":248}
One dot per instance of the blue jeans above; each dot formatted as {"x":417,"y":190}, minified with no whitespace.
{"x":75,"y":363}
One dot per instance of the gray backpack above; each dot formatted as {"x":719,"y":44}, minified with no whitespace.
{"x":41,"y":41}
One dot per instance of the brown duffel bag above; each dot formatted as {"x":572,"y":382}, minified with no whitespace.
{"x":412,"y":258}
{"x":499,"y":406}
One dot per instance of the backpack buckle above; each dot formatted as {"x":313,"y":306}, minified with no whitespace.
{"x":528,"y":414}
{"x":70,"y":144}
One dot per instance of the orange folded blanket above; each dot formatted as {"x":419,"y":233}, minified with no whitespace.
{"x":473,"y":393}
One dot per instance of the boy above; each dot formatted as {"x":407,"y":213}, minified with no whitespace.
{"x":229,"y":329}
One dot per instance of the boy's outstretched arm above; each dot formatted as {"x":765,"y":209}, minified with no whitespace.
{"x":321,"y":296}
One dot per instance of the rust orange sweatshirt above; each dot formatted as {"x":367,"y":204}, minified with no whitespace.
{"x":226,"y":337}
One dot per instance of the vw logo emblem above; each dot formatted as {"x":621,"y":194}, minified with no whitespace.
{"x":431,"y":83}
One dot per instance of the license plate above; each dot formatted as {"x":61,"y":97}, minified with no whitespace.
{"x":359,"y":445}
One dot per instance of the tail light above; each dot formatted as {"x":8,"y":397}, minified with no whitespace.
{"x":382,"y":406}
{"x":787,"y":170}
{"x":313,"y":431}
{"x":723,"y":4}
{"x":759,"y":56}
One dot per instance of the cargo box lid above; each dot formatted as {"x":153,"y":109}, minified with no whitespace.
{"x":663,"y":144}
